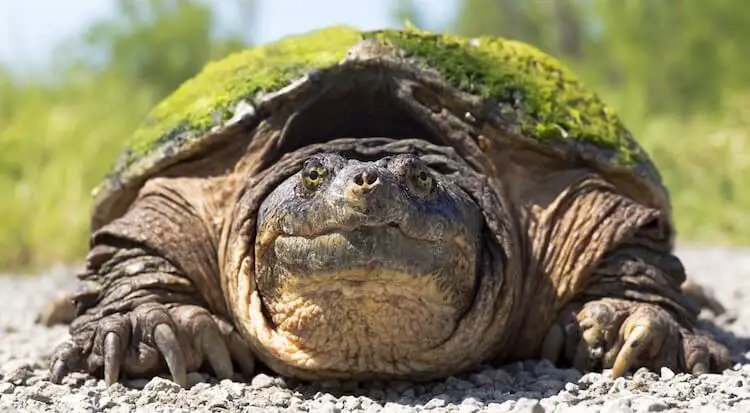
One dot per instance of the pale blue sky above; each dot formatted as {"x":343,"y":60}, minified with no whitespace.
{"x":31,"y":29}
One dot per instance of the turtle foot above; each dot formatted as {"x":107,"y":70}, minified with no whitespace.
{"x":625,"y":335}
{"x":152,"y":339}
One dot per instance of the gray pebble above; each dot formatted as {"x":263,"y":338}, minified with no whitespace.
{"x":459,"y":384}
{"x":7,"y":388}
{"x":159,"y":384}
{"x":524,"y":405}
{"x":17,"y":372}
{"x":667,"y":373}
{"x":262,"y":381}
{"x":326,"y":407}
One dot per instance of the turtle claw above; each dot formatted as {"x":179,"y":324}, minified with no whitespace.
{"x":638,"y":340}
{"x":113,"y":354}
{"x":217,"y":353}
{"x":166,"y":342}
{"x":58,"y":370}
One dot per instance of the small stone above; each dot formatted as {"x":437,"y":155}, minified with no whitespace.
{"x":618,"y":405}
{"x":279,"y":398}
{"x":40,"y":396}
{"x":350,"y":403}
{"x":480,"y":379}
{"x":468,"y":408}
{"x":262,"y":381}
{"x":502,"y":377}
{"x":235,"y":389}
{"x":161,"y":384}
{"x":391,"y":407}
{"x":501,"y":407}
{"x":436,"y":402}
{"x":105,"y":402}
{"x":17,"y":372}
{"x":122,"y":408}
{"x":6,"y":388}
{"x":566,"y":396}
{"x":524,"y":405}
{"x":667,"y":373}
{"x":543,"y":366}
{"x":649,"y":404}
{"x":645,"y":374}
{"x":571,"y":387}
{"x":327,"y":407}
{"x":589,"y":379}
{"x":72,"y":399}
{"x":439,"y":388}
{"x":456,"y":383}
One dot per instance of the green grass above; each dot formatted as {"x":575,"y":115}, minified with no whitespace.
{"x":705,"y":162}
{"x":55,"y":145}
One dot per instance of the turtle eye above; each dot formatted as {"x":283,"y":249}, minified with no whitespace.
{"x":313,"y":174}
{"x":423,"y":179}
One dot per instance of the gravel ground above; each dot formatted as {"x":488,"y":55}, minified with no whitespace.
{"x":521,"y":387}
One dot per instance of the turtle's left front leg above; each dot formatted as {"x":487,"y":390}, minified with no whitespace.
{"x":621,"y":298}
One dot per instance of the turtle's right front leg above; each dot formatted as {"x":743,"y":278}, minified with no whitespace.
{"x":151,"y":301}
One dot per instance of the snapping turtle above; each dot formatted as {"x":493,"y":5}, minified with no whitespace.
{"x":386,"y":204}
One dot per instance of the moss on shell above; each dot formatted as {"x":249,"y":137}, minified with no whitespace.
{"x":200,"y":102}
{"x":546,"y":99}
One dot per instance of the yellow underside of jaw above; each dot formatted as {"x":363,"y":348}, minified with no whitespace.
{"x":355,"y":320}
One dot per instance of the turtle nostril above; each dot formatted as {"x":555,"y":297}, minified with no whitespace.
{"x":366,"y":178}
{"x":370,"y":177}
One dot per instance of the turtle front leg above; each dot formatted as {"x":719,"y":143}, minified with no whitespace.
{"x":620,"y":297}
{"x":634,"y":309}
{"x":151,"y":301}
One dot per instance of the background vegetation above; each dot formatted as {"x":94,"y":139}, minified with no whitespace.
{"x":676,"y":71}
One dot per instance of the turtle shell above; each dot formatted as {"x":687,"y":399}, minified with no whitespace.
{"x":492,"y":82}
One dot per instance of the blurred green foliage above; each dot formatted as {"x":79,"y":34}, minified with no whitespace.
{"x":676,"y":72}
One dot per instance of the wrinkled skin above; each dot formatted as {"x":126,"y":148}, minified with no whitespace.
{"x":409,"y":265}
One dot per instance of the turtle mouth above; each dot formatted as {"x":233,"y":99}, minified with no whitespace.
{"x":386,"y":247}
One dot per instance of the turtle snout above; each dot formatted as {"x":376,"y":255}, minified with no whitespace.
{"x":368,"y":190}
{"x":365,"y":181}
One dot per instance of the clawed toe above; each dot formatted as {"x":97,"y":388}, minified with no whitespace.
{"x":703,"y":354}
{"x":640,"y":342}
{"x":166,"y":342}
{"x":113,"y":354}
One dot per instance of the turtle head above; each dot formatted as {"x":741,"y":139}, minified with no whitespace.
{"x":379,"y":256}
